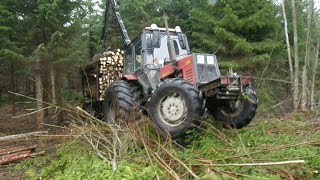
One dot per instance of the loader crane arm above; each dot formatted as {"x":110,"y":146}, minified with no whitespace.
{"x":116,"y":12}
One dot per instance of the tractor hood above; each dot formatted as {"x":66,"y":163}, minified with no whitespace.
{"x":199,"y":68}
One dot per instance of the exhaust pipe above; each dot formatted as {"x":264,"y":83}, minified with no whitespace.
{"x":171,"y":50}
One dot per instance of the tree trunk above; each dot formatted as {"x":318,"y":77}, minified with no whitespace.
{"x":296,"y":57}
{"x":288,"y":45}
{"x":92,"y":48}
{"x":34,"y":88}
{"x":12,"y":106}
{"x":59,"y":80}
{"x":314,"y":72}
{"x":53,"y":84}
{"x":28,"y":87}
{"x":305,"y":90}
{"x":38,"y":90}
{"x":304,"y":99}
{"x":45,"y":84}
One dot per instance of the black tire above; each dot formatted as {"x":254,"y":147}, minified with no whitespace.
{"x":237,"y":117}
{"x":121,"y":102}
{"x":186,"y":96}
{"x":89,"y":108}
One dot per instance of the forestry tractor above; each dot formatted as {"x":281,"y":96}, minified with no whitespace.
{"x":164,"y":79}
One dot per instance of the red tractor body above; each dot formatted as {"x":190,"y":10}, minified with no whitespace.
{"x":173,"y":85}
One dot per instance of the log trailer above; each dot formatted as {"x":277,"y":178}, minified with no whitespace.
{"x":175,"y":87}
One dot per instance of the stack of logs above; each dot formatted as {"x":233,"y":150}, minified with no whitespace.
{"x":103,"y":70}
{"x":111,"y":68}
{"x":11,"y":155}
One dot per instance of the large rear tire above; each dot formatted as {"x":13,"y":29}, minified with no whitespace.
{"x":176,"y":107}
{"x":121,"y":102}
{"x":234,"y":113}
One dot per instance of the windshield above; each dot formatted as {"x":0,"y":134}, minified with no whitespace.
{"x":161,"y":54}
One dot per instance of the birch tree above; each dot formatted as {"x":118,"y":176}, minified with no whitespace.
{"x":288,"y":43}
{"x":314,"y":72}
{"x":296,"y":56}
{"x":304,"y":99}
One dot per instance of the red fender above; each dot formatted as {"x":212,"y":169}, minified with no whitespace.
{"x":130,"y":77}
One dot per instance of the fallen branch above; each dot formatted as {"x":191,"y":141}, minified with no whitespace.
{"x":10,"y":158}
{"x":15,"y":150}
{"x":5,"y":150}
{"x":37,"y":154}
{"x":178,"y":160}
{"x":57,"y":135}
{"x":33,"y":112}
{"x":272,"y":149}
{"x":162,"y":163}
{"x":259,"y":164}
{"x":20,"y":136}
{"x":14,"y":157}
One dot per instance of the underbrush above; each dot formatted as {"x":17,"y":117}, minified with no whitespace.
{"x":138,"y":152}
{"x":77,"y":161}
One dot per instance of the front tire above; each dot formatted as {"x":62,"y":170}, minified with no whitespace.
{"x":234,"y":113}
{"x":121,"y":102}
{"x":176,"y":107}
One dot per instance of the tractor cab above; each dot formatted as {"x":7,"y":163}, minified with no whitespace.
{"x":148,"y":54}
{"x":147,"y":58}
{"x":150,"y":48}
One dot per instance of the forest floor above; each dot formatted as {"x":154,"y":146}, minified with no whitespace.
{"x":214,"y":153}
{"x":21,"y":124}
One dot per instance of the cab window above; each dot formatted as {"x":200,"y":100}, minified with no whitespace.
{"x":128,"y":63}
{"x":138,"y":55}
{"x":176,"y":47}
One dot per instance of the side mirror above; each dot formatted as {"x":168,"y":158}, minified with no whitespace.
{"x":156,"y":39}
{"x":182,"y":40}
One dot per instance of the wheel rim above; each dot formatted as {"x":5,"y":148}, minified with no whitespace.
{"x":173,"y":110}
{"x":232,"y":108}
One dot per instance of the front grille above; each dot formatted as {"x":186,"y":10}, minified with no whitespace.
{"x":206,"y":73}
{"x":207,"y":69}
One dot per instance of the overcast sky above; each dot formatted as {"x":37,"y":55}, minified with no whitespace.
{"x":317,"y":4}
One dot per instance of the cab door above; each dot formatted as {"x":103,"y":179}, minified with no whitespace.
{"x":137,"y":54}
{"x":134,"y":57}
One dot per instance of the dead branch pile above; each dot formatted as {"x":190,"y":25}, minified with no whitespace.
{"x":101,"y":72}
{"x":138,"y":143}
{"x":16,"y":154}
{"x":104,"y":139}
{"x":113,"y":143}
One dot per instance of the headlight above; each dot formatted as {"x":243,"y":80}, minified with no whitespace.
{"x":200,"y":59}
{"x":211,"y":60}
